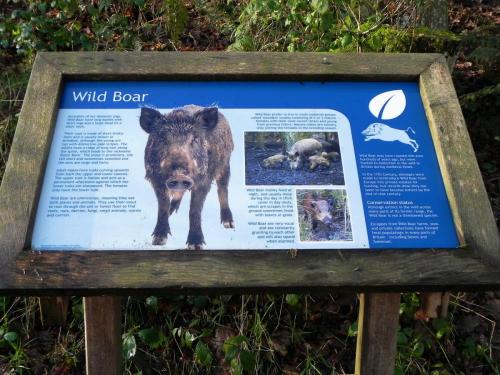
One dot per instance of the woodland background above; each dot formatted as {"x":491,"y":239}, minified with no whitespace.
{"x":281,"y":334}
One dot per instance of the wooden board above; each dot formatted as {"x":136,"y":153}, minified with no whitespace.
{"x":129,"y":272}
{"x":25,"y":168}
{"x":54,"y":310}
{"x":274,"y":66}
{"x":103,"y":339}
{"x":469,"y":202}
{"x":24,"y":271}
{"x":377,"y":333}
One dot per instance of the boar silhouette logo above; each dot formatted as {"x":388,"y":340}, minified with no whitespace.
{"x":387,"y":106}
{"x":385,"y":133}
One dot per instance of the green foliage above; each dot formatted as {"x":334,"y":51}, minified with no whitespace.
{"x":353,"y":330}
{"x":481,"y":45}
{"x":410,"y":302}
{"x":77,"y":309}
{"x":260,"y":332}
{"x":335,"y":26}
{"x":293,"y":300}
{"x":279,"y":25}
{"x":431,"y":40}
{"x":310,"y":366}
{"x":62,"y":25}
{"x":8,"y":337}
{"x":480,"y":109}
{"x":185,"y":336}
{"x":152,"y":337}
{"x":203,"y":355}
{"x":415,"y":340}
{"x":152,"y":303}
{"x":428,"y":347}
{"x":472,"y":350}
{"x":129,"y":345}
{"x":485,"y":56}
{"x":238,"y":356}
{"x":11,"y":343}
{"x":13,"y":82}
{"x":411,"y":349}
{"x":477,"y":101}
{"x":177,"y":17}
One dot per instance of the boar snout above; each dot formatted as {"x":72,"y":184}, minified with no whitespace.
{"x":323,"y":216}
{"x":327,"y":220}
{"x":180,"y":182}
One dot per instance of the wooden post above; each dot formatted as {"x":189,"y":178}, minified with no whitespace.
{"x":54,"y":310}
{"x":377,"y":333}
{"x":103,"y":335}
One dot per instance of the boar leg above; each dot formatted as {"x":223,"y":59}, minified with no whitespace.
{"x":195,"y":238}
{"x":226,"y":216}
{"x":162,"y":229}
{"x":301,"y":161}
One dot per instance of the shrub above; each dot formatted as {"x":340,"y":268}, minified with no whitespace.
{"x":330,"y":25}
{"x":62,"y":25}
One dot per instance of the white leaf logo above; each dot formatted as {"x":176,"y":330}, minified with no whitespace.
{"x":388,"y":105}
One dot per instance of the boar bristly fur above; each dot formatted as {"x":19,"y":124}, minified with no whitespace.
{"x":187,"y":149}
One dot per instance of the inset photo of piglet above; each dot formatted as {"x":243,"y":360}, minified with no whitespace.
{"x":323,"y":215}
{"x":187,"y":149}
{"x":293,"y":158}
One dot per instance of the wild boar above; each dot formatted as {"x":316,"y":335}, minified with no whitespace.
{"x":329,"y":146}
{"x":275,"y":161}
{"x":187,"y":149}
{"x":301,"y":150}
{"x":318,"y":211}
{"x":316,"y":161}
{"x":384,"y":132}
{"x":331,"y":156}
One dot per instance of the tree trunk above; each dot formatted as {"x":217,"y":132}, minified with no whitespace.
{"x":434,"y":14}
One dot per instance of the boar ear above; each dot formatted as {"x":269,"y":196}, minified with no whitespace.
{"x":149,"y":117}
{"x":207,"y":117}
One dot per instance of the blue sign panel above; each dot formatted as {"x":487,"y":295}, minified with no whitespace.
{"x":303,"y":165}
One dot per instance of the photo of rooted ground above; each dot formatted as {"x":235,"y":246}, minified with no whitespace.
{"x":324,"y":215}
{"x":293,"y":158}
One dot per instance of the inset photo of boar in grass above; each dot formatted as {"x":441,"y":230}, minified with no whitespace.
{"x":324,"y":215}
{"x":187,"y":149}
{"x":293,"y":158}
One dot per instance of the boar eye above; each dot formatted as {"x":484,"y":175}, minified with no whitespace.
{"x":313,"y":205}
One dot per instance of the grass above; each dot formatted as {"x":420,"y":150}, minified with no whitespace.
{"x":294,"y":334}
{"x":193,"y":334}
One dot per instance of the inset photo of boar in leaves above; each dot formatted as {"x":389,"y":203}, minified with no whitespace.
{"x":323,"y":215}
{"x":293,"y":158}
{"x":187,"y":149}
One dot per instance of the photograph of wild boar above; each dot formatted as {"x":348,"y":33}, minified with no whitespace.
{"x":323,"y":215}
{"x":187,"y":149}
{"x":293,"y":158}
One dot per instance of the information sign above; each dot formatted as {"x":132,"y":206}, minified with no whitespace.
{"x":293,"y":172}
{"x":263,"y":165}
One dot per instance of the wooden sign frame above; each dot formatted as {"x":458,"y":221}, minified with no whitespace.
{"x":475,"y":265}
